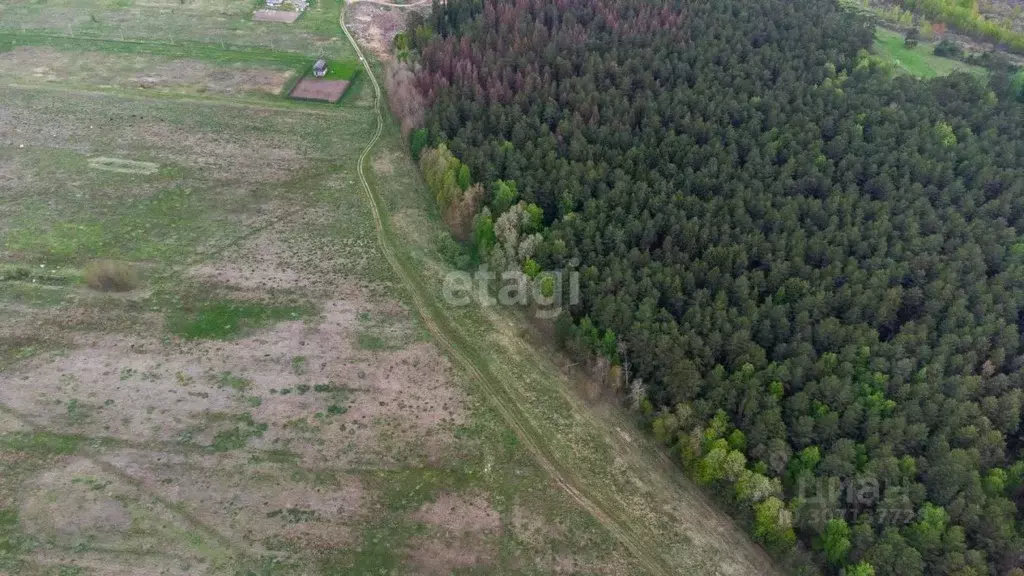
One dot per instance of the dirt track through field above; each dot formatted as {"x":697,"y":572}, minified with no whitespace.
{"x":643,"y":547}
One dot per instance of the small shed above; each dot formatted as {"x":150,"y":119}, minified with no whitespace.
{"x":320,"y":68}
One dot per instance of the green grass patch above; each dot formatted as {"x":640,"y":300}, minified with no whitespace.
{"x":163,"y":227}
{"x":918,"y":61}
{"x":238,"y":436}
{"x":34,"y":295}
{"x":299,"y":365}
{"x":379,"y":553}
{"x":226,"y":319}
{"x":41,"y":275}
{"x":40,"y":443}
{"x":408,"y":489}
{"x":368,"y":341}
{"x":12,"y":541}
{"x":275,"y":457}
{"x":66,"y":570}
{"x":342,"y":70}
{"x":236,"y":383}
{"x":16,"y":349}
{"x":293,"y":515}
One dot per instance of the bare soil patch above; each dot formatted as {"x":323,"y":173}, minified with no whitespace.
{"x":76,"y":503}
{"x":320,"y":394}
{"x":285,"y":16}
{"x":262,"y":504}
{"x":111,"y":385}
{"x":97,"y":563}
{"x":532,"y":527}
{"x":464,"y":531}
{"x":375,"y":27}
{"x":384,"y":163}
{"x":320,"y":90}
{"x":263,"y":262}
{"x":437,"y":557}
{"x":72,"y":502}
{"x":10,"y":424}
{"x":255,"y":160}
{"x":460,"y":514}
{"x":378,"y":408}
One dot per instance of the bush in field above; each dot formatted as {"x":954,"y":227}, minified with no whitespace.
{"x":111,"y":276}
{"x":912,"y":38}
{"x":948,"y":49}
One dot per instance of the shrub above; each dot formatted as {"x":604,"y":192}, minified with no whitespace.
{"x":948,"y":49}
{"x":912,"y":38}
{"x":111,"y":276}
{"x":418,"y":142}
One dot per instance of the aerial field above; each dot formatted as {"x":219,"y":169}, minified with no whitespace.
{"x":274,"y":395}
{"x":263,"y":402}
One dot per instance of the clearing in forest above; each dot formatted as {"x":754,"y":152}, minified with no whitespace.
{"x":918,"y":61}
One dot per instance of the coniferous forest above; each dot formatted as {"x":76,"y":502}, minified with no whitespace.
{"x":812,"y":270}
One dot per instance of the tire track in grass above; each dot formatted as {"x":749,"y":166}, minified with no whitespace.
{"x":90,"y":448}
{"x":644,"y":552}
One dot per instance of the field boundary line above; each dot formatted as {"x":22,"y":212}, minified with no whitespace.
{"x":255,"y":50}
{"x":170,"y":96}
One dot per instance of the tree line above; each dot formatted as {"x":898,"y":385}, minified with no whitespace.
{"x":963,"y":15}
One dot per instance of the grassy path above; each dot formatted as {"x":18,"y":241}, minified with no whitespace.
{"x":640,"y":539}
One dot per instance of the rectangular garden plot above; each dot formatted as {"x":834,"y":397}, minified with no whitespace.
{"x":321,"y":90}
